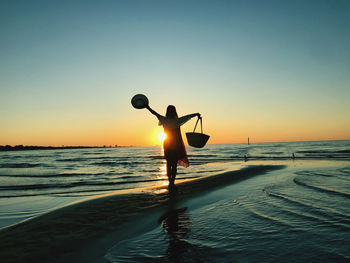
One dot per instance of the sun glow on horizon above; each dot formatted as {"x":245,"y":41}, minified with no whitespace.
{"x":161,"y":136}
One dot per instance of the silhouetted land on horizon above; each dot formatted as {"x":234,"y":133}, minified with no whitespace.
{"x":25,"y":148}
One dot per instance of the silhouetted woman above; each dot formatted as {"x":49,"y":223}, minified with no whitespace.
{"x":174,"y":147}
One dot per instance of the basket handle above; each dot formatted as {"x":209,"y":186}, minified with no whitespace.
{"x":199,"y":118}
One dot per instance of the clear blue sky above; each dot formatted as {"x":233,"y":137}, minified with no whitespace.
{"x":271,"y":70}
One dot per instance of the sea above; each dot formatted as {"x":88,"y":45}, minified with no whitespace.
{"x":299,"y":213}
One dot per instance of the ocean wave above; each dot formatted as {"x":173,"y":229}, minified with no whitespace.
{"x":120,"y":163}
{"x":111,"y":158}
{"x":344,"y":171}
{"x":307,"y":216}
{"x":202,"y":155}
{"x":255,"y":158}
{"x":341,"y":174}
{"x":273,"y":153}
{"x":156,"y":157}
{"x":21,"y":165}
{"x":65,"y":175}
{"x":313,"y":173}
{"x":324,"y":151}
{"x":264,"y":216}
{"x":73,"y":160}
{"x":75,"y":184}
{"x":330,"y":214}
{"x":83,"y":159}
{"x":152,"y":170}
{"x":321,"y":188}
{"x":93,"y":153}
{"x":287,"y":157}
{"x":65,"y":193}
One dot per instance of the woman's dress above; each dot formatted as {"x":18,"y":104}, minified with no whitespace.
{"x":174,"y":147}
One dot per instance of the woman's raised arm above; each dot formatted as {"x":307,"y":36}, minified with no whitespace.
{"x":153,"y":112}
{"x":186,"y":118}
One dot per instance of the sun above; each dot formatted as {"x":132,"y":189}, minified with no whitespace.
{"x":161,"y":136}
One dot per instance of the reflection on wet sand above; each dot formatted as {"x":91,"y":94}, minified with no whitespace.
{"x":176,"y":224}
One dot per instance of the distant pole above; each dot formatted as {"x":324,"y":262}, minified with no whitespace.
{"x":248,"y":141}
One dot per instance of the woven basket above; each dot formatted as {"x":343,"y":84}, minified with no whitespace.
{"x":195,"y":139}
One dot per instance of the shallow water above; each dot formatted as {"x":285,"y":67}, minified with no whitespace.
{"x":299,"y":214}
{"x":34,"y":182}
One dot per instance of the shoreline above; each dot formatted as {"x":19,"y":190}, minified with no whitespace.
{"x":86,"y":229}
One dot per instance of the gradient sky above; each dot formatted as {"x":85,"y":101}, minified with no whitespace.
{"x":270,"y":70}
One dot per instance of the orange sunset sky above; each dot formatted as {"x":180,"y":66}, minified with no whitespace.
{"x":278,"y":71}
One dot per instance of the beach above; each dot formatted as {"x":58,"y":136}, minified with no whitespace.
{"x":242,"y":106}
{"x":269,"y":208}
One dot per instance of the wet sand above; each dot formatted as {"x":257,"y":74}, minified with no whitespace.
{"x":86,"y":230}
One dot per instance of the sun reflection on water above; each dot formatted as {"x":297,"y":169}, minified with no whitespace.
{"x":161,"y":176}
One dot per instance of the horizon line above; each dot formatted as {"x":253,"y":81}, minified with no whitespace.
{"x":117,"y":146}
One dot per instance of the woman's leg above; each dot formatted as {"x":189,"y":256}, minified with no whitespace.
{"x":168,"y":170}
{"x":174,"y":172}
{"x":171,"y":171}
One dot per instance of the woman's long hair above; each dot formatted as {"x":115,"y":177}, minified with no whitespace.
{"x":171,"y":112}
